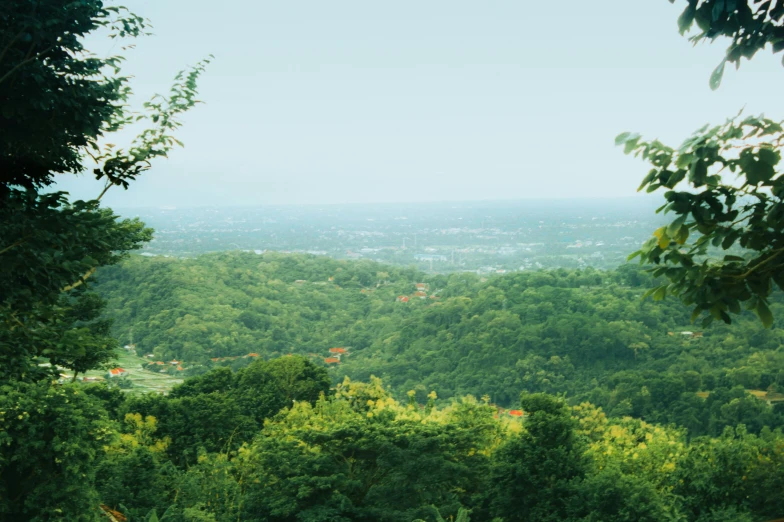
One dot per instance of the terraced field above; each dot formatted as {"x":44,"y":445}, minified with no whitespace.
{"x":143,"y":381}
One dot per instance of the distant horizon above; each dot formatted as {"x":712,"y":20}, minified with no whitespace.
{"x":639,"y":198}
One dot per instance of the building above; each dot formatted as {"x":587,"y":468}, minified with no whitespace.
{"x":116,"y":372}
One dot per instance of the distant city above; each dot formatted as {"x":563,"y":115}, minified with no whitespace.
{"x":484,"y":237}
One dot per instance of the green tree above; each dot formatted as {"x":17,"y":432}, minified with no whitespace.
{"x":266,"y":387}
{"x":536,"y":475}
{"x":723,"y":184}
{"x":135,"y":473}
{"x":57,"y":100}
{"x":51,"y":442}
{"x":387,"y":463}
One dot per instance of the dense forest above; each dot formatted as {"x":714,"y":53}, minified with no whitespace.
{"x":583,"y":333}
{"x":217,"y":449}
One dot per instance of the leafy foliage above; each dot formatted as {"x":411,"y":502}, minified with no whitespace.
{"x":51,"y":443}
{"x":219,"y":411}
{"x":57,"y":101}
{"x":56,"y":98}
{"x":751,"y":25}
{"x":714,"y":211}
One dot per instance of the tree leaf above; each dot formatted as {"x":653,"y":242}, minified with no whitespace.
{"x":675,"y":227}
{"x":716,"y":76}
{"x":758,"y":172}
{"x":622,"y":137}
{"x":768,"y":156}
{"x":686,"y":19}
{"x":764,"y":314}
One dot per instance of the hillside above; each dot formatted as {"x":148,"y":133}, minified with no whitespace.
{"x":586,"y":334}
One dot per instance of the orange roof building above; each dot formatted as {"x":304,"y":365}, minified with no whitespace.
{"x":337,"y":350}
{"x":516,"y":413}
{"x":402,"y":299}
{"x":332,"y":360}
{"x":117,"y":372}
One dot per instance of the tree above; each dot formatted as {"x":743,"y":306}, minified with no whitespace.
{"x":724,"y":185}
{"x":266,"y":387}
{"x":51,"y":441}
{"x":135,"y":474}
{"x":389,"y":462}
{"x":96,"y":346}
{"x":536,"y":474}
{"x":56,"y":102}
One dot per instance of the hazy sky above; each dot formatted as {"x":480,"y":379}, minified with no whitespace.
{"x":357,"y":101}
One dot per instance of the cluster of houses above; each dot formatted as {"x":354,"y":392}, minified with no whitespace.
{"x":420,"y":292}
{"x":335,"y":354}
{"x":111,"y":374}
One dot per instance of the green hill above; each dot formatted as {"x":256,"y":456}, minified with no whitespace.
{"x":587,"y":334}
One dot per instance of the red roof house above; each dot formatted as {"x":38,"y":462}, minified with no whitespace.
{"x":332,"y":360}
{"x":117,"y":372}
{"x":337,"y":350}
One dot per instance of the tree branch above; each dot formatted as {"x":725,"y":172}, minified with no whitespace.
{"x":80,"y":281}
{"x":105,"y":189}
{"x":24,"y":62}
{"x":775,"y":253}
{"x":12,"y":245}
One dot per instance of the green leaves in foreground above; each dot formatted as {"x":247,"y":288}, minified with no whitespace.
{"x":749,"y":25}
{"x":723,"y":249}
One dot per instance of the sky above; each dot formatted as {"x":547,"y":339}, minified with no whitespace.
{"x":313,"y":102}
